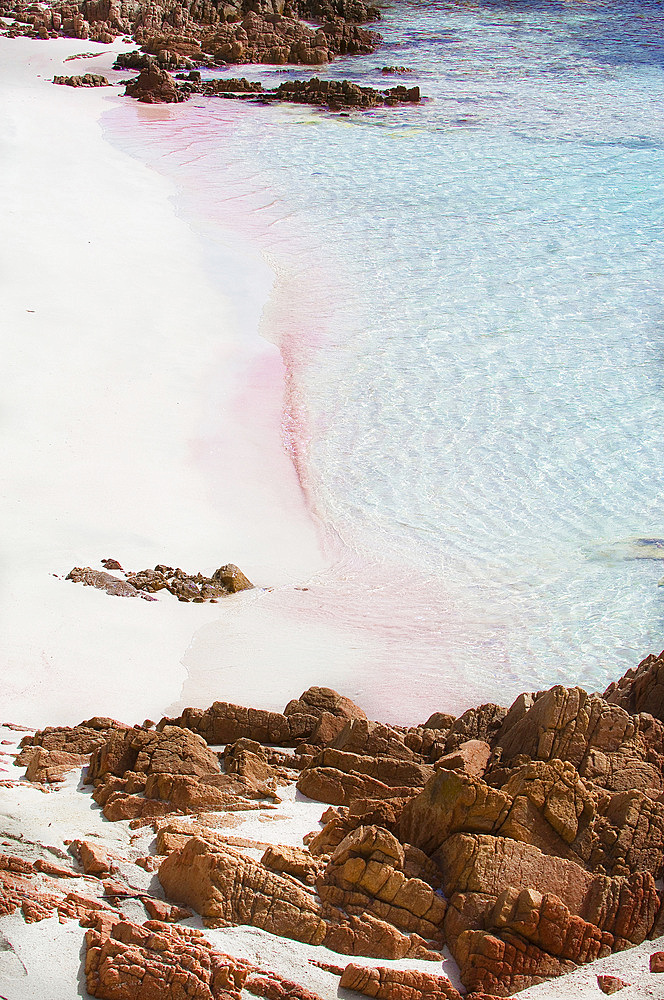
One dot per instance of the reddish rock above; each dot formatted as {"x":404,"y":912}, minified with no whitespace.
{"x":338,"y":777}
{"x":225,"y":887}
{"x":366,"y":874}
{"x":640,"y":689}
{"x":225,"y":723}
{"x":481,"y":723}
{"x":657,"y":961}
{"x":359,"y":736}
{"x":102,"y":581}
{"x":87,"y":80}
{"x":94,"y":858}
{"x":322,"y":700}
{"x":51,"y":766}
{"x":397,"y":984}
{"x":171,"y":751}
{"x":611,"y":984}
{"x":292,"y":861}
{"x":159,"y":910}
{"x":606,"y":745}
{"x":153,"y":86}
{"x":232,"y":579}
{"x":81,"y":739}
{"x":471,"y":757}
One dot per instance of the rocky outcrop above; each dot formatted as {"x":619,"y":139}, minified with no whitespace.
{"x":640,"y":689}
{"x":320,"y":701}
{"x":225,"y":723}
{"x":102,"y":581}
{"x":126,"y":961}
{"x":51,"y":766}
{"x":172,"y":751}
{"x":528,"y":841}
{"x":338,"y":94}
{"x":154,"y":86}
{"x":505,"y":940}
{"x":605,"y":744}
{"x":397,"y":984}
{"x":226,"y":887}
{"x":87,"y":80}
{"x":481,"y":723}
{"x":366,"y":874}
{"x":338,"y":778}
{"x":51,"y":753}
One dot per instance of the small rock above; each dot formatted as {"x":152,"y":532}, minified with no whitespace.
{"x":610,"y":984}
{"x":657,"y":961}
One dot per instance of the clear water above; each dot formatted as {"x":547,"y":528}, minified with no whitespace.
{"x":469,"y":302}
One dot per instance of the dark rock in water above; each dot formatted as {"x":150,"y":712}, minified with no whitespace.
{"x":395,"y":70}
{"x":154,"y":86}
{"x":87,"y":80}
{"x":233,"y":86}
{"x":342,"y":94}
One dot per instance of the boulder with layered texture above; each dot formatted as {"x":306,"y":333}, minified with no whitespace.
{"x":338,"y":777}
{"x":517,"y":916}
{"x":605,"y":744}
{"x":224,"y":723}
{"x":127,"y":961}
{"x":171,"y":751}
{"x":366,"y":874}
{"x":227,"y":887}
{"x":397,"y":984}
{"x":640,"y":689}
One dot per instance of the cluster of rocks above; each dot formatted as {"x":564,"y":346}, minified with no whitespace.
{"x":337,"y":94}
{"x":528,"y":840}
{"x":268,"y":31}
{"x":156,"y":86}
{"x":87,"y":80}
{"x":176,"y":35}
{"x":186,"y":587}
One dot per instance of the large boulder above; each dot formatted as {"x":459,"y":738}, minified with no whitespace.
{"x":171,"y":751}
{"x":640,"y":689}
{"x":604,"y":743}
{"x":224,"y":723}
{"x":154,"y":85}
{"x":397,"y":984}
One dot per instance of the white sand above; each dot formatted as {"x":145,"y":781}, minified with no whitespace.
{"x":123,"y":364}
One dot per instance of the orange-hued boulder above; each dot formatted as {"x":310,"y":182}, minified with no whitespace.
{"x":397,"y":984}
{"x":172,"y":751}
{"x":224,"y":723}
{"x":640,"y":689}
{"x":227,"y":887}
{"x":606,"y":745}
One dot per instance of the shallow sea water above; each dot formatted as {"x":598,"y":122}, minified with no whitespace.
{"x":468,"y":299}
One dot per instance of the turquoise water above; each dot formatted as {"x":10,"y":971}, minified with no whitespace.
{"x":469,"y":303}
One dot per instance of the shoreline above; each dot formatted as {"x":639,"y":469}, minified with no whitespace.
{"x":110,"y":405}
